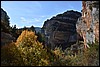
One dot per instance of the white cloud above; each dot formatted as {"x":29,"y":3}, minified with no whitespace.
{"x":30,"y":21}
{"x":43,"y":16}
{"x":23,"y":19}
{"x":37,"y":20}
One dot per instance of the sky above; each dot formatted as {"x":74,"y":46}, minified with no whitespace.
{"x":28,"y":13}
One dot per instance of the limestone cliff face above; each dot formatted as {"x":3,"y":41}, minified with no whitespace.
{"x":61,"y":30}
{"x":6,"y":38}
{"x":4,"y":21}
{"x":88,"y":24}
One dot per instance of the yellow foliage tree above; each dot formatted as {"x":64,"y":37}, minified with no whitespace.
{"x":32,"y":50}
{"x":26,"y":38}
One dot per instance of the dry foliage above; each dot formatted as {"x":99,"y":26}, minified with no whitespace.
{"x":27,"y":51}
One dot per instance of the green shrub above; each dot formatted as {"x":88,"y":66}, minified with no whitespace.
{"x":89,"y":57}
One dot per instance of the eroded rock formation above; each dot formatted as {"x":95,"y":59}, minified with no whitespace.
{"x":6,"y":37}
{"x":61,"y":30}
{"x":88,"y":24}
{"x":5,"y":26}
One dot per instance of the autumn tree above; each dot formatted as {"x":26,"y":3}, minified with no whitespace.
{"x":32,"y":50}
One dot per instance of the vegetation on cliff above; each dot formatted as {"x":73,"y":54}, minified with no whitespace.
{"x":26,"y":47}
{"x":27,"y":51}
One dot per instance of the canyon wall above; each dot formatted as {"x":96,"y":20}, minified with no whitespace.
{"x":60,"y":31}
{"x":88,"y":24}
{"x":6,"y":37}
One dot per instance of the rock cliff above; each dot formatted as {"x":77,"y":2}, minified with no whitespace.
{"x":4,"y":21}
{"x":6,"y":37}
{"x":61,"y":29}
{"x":88,"y":24}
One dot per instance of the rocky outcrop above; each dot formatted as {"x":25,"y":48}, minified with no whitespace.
{"x":5,"y":25}
{"x":61,"y":30}
{"x":88,"y":24}
{"x":6,"y":38}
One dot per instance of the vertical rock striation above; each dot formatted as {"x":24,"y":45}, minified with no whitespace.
{"x":88,"y":24}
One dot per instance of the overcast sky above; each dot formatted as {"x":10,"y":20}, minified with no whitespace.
{"x":28,"y":13}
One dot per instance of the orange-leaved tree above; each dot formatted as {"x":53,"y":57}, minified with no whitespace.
{"x":32,"y":50}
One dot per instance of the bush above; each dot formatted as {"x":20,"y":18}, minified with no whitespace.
{"x":32,"y":50}
{"x":27,"y":51}
{"x":10,"y":55}
{"x":89,"y":57}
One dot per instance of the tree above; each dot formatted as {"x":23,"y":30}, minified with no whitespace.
{"x":10,"y":55}
{"x":32,"y":28}
{"x":40,"y":37}
{"x":14,"y":29}
{"x":32,"y":50}
{"x":24,"y":28}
